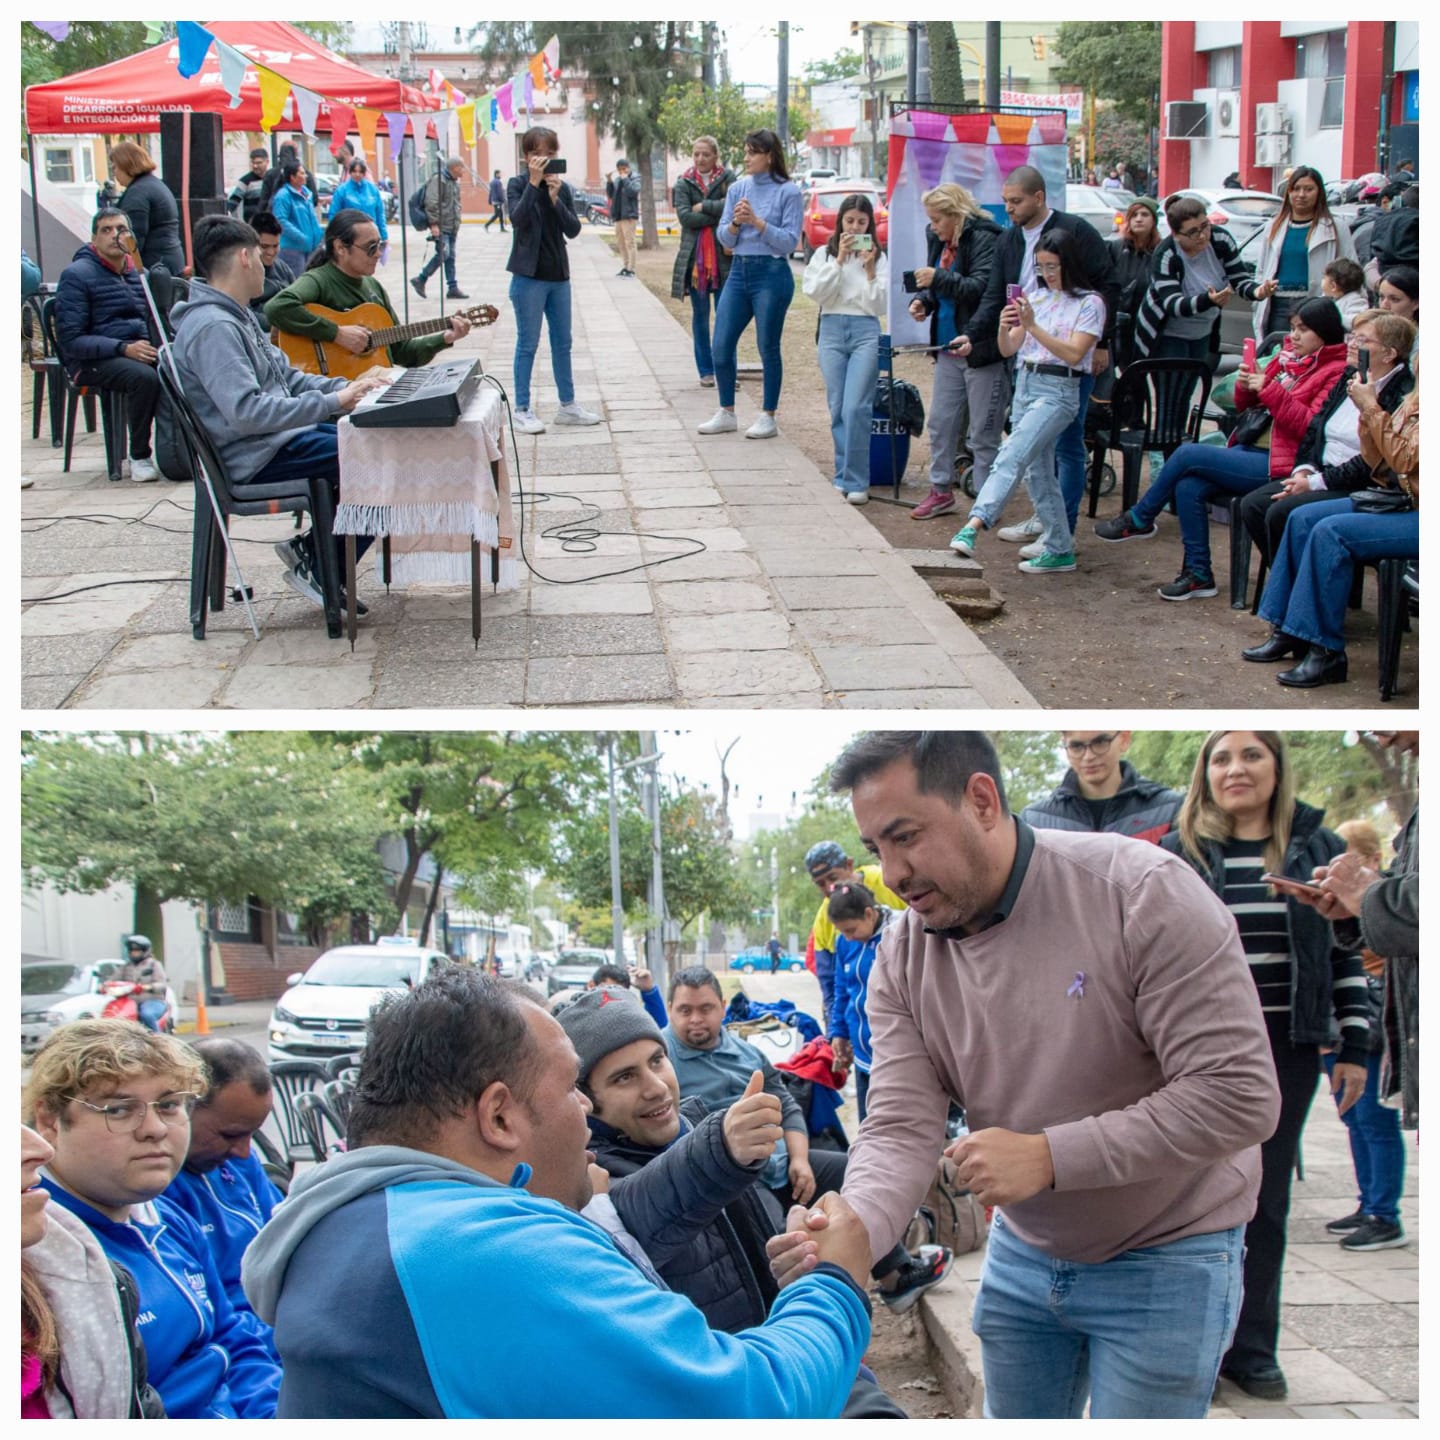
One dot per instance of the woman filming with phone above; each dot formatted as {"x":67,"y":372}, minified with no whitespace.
{"x":542,"y":218}
{"x":847,"y":280}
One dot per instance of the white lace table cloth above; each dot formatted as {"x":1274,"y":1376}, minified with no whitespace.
{"x":431,"y":490}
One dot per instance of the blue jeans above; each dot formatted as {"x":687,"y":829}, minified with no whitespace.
{"x":1142,"y":1335}
{"x":1194,"y":475}
{"x":312,"y":455}
{"x":534,"y":299}
{"x":1072,"y":460}
{"x":151,"y":1012}
{"x":702,"y":302}
{"x":850,"y":362}
{"x":1044,"y":406}
{"x":1309,"y":584}
{"x":758,"y":287}
{"x":444,"y":250}
{"x":1376,"y":1145}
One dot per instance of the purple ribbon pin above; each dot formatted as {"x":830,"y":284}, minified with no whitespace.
{"x":1077,"y":986}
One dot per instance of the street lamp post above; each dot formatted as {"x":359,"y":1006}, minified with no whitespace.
{"x":617,"y":910}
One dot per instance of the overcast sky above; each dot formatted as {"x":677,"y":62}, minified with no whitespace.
{"x":754,"y":54}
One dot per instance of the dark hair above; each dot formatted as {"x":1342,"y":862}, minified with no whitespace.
{"x":1405,"y":278}
{"x":851,"y":202}
{"x":259,"y":153}
{"x":611,"y":975}
{"x":1410,"y":199}
{"x":538,"y":137}
{"x":1346,"y":274}
{"x":767,"y":142}
{"x":850,"y":901}
{"x":265,"y":223}
{"x":431,"y":1052}
{"x":99,"y":215}
{"x":1180,"y":208}
{"x":1028,"y":178}
{"x":944,"y":760}
{"x":341,"y":229}
{"x":1322,"y":200}
{"x":1074,"y":277}
{"x":228,"y":1061}
{"x":696,"y":977}
{"x":289,"y":169}
{"x":216,"y":238}
{"x":357,"y":163}
{"x":1320,"y":314}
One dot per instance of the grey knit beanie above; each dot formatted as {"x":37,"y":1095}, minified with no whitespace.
{"x":602,"y":1020}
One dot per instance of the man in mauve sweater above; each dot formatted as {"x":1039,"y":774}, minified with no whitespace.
{"x":1088,"y":1002}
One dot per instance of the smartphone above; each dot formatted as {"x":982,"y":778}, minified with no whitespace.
{"x":1362,"y":364}
{"x":864,"y":242}
{"x":1247,"y":352}
{"x":1013,"y":293}
{"x":555,"y":166}
{"x":908,"y":280}
{"x":1294,"y":884}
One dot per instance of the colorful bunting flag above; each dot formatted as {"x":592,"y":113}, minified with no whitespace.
{"x":537,"y":71}
{"x":529,"y":91}
{"x":274,"y":92}
{"x":342,"y":122}
{"x":365,"y":123}
{"x":503,"y":103}
{"x":467,"y":123}
{"x":154,"y":32}
{"x":232,"y":72}
{"x":551,"y":52}
{"x":397,"y":122}
{"x":307,"y":106}
{"x":57,"y":30}
{"x":195,"y":42}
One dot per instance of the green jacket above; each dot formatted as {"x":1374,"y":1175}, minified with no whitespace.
{"x":697,"y":210}
{"x":328,"y":285}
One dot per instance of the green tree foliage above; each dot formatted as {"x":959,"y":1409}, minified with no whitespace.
{"x":842,"y":65}
{"x":1115,"y":60}
{"x":947,"y":84}
{"x":1120,"y":140}
{"x":688,"y":110}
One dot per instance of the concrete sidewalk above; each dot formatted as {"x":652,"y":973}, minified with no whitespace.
{"x":796,"y":600}
{"x":1349,"y":1332}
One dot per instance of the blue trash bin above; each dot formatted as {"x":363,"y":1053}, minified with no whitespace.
{"x":887,"y":462}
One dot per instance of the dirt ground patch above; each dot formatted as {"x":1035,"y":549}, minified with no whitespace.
{"x":1099,"y":636}
{"x":899,"y":1354}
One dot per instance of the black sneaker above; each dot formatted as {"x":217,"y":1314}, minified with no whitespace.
{"x":1187,"y":585}
{"x":1266,"y":1383}
{"x":1347,"y":1223}
{"x":418,"y":286}
{"x":1123,"y":527}
{"x":927,"y":1267}
{"x":302,"y":580}
{"x":457,"y":294}
{"x":1374,"y":1234}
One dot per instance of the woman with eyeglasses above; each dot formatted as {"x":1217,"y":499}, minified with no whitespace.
{"x":342,"y":276}
{"x":359,"y":192}
{"x":1294,"y":251}
{"x":113,"y":1103}
{"x":1241,"y":821}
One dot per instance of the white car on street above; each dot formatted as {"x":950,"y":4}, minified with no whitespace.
{"x":55,"y":992}
{"x":325,"y":1010}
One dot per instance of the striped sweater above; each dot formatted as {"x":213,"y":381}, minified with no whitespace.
{"x":1166,"y":299}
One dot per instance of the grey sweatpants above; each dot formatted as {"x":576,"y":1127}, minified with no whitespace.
{"x":976,"y":398}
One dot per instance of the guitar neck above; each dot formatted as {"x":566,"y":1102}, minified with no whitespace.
{"x":398,"y":334}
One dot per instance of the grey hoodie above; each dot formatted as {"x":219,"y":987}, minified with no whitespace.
{"x":247,"y":395}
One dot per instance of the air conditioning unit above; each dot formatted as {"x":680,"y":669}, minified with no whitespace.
{"x":1272,"y":150}
{"x":1186,"y":120}
{"x":1227,"y":112}
{"x":1270,"y":119}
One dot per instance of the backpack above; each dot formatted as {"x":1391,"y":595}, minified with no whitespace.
{"x":416,"y":204}
{"x":949,"y":1215}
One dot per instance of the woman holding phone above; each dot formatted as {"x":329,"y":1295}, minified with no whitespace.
{"x":847,"y":280}
{"x":542,"y":218}
{"x":1240,"y":822}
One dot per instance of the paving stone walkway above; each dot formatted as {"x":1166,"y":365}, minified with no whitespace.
{"x":795,"y":601}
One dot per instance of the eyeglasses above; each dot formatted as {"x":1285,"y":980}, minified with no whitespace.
{"x":1099,"y":746}
{"x":1195,"y":231}
{"x":373,"y":248}
{"x":1053,"y":269}
{"x":123,"y":1116}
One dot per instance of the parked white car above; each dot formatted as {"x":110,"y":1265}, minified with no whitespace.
{"x":1242,"y":212}
{"x":55,"y":992}
{"x":325,"y":1010}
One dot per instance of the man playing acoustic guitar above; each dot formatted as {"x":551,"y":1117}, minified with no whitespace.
{"x":344,"y":281}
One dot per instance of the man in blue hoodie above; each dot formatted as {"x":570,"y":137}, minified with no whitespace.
{"x":414,"y":1276}
{"x":114,"y":1102}
{"x":222,"y":1186}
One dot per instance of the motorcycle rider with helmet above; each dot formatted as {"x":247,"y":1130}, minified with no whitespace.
{"x":146,"y":971}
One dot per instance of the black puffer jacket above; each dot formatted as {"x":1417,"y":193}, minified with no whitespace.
{"x":964,"y":284}
{"x":98,"y":311}
{"x":1142,"y":809}
{"x":155,"y":218}
{"x":702,"y":1219}
{"x":1319,"y":960}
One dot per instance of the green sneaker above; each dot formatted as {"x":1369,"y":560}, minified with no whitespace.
{"x":964,"y":540}
{"x":1048,"y":564}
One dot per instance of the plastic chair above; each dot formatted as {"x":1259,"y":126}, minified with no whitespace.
{"x":338,"y":1094}
{"x":217,"y":498}
{"x":112,"y":403}
{"x":1156,"y":405}
{"x":1399,"y":586}
{"x":44,"y":363}
{"x":290,"y":1081}
{"x":323,"y":1128}
{"x":275,"y":1165}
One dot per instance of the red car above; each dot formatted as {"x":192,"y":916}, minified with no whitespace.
{"x":821,"y":205}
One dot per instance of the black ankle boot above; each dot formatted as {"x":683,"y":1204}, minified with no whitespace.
{"x":1319,"y":667}
{"x":1279,"y":646}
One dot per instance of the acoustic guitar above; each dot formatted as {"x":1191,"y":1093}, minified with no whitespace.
{"x":325,"y":357}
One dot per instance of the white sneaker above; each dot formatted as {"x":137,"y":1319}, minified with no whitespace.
{"x":573,"y":414}
{"x":1019,"y":534}
{"x":528,"y":422}
{"x":764,"y":428}
{"x":144,"y":470}
{"x":857,"y":497}
{"x":719,"y":423}
{"x":1033,"y":550}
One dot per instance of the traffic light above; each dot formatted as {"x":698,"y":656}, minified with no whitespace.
{"x":1037,"y":44}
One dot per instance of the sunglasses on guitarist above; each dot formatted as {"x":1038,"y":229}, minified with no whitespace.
{"x":373,"y":248}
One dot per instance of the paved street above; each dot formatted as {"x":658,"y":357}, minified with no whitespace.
{"x":795,"y":601}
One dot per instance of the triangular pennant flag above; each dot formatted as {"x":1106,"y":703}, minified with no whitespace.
{"x":537,"y":71}
{"x":307,"y":105}
{"x":467,"y":123}
{"x":397,"y":121}
{"x":342,"y":121}
{"x":154,"y":32}
{"x":484,"y":116}
{"x":232,"y":72}
{"x":551,"y":52}
{"x":365,"y":123}
{"x":274,"y":92}
{"x":436,"y":81}
{"x":57,"y":30}
{"x":195,"y":41}
{"x":529,"y":91}
{"x":504,"y":104}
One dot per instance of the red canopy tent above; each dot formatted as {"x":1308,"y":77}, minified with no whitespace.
{"x":128,"y":95}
